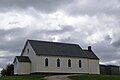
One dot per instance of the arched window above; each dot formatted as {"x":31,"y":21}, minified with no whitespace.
{"x":80,"y":64}
{"x":58,"y":62}
{"x":69,"y":63}
{"x":46,"y":62}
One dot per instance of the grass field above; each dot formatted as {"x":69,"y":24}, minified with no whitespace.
{"x":77,"y":77}
{"x":32,"y":77}
{"x":94,"y":77}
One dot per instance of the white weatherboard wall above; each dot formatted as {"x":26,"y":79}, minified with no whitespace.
{"x":94,"y":66}
{"x":24,"y":68}
{"x":16,"y":67}
{"x":21,"y":68}
{"x":32,"y":57}
{"x":52,"y":65}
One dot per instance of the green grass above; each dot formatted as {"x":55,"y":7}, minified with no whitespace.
{"x":94,"y":77}
{"x":31,"y":77}
{"x":77,"y":77}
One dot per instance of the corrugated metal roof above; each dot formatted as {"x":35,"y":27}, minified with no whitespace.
{"x":57,"y":49}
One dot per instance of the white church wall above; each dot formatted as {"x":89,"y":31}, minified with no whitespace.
{"x":52,"y":65}
{"x":93,"y":66}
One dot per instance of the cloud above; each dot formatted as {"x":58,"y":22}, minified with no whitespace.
{"x":93,"y":7}
{"x":42,"y":5}
{"x":115,"y":37}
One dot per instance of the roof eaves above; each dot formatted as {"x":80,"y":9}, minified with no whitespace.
{"x":92,"y":53}
{"x":59,"y":55}
{"x":23,"y":60}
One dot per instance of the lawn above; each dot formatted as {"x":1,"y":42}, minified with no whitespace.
{"x":94,"y":77}
{"x":31,"y":77}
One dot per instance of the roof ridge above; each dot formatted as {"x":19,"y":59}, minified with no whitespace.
{"x":55,"y":42}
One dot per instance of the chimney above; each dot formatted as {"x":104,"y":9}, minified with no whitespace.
{"x":89,"y":48}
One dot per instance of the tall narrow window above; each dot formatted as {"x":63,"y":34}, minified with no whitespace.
{"x":46,"y":62}
{"x":80,"y":64}
{"x":58,"y":62}
{"x":69,"y":63}
{"x":27,"y":50}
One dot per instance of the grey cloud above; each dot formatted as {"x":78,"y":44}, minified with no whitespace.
{"x":108,"y":38}
{"x":107,"y":53}
{"x":42,"y":5}
{"x":115,"y":39}
{"x":104,"y":49}
{"x":116,"y":43}
{"x":15,"y":36}
{"x":4,"y":61}
{"x":19,"y":35}
{"x":94,"y":7}
{"x":64,"y":28}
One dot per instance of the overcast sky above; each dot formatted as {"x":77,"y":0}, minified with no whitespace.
{"x":85,"y":22}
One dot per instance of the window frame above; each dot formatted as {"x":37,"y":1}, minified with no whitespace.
{"x":46,"y":62}
{"x":69,"y":63}
{"x":58,"y":62}
{"x":80,"y":64}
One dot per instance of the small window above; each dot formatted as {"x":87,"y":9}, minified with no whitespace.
{"x":69,"y":63}
{"x":58,"y":62}
{"x":80,"y":64}
{"x":27,"y":50}
{"x":46,"y":62}
{"x":15,"y":61}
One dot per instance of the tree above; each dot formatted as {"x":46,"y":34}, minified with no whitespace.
{"x":8,"y":71}
{"x":3,"y":72}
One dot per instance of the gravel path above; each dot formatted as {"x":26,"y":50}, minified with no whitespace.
{"x":58,"y":77}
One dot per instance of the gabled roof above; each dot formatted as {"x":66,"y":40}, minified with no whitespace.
{"x":23,"y":59}
{"x":90,"y":54}
{"x":57,"y":49}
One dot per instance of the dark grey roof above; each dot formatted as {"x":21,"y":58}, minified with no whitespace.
{"x":57,"y":49}
{"x":109,"y":65}
{"x":90,"y":54}
{"x":23,"y":59}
